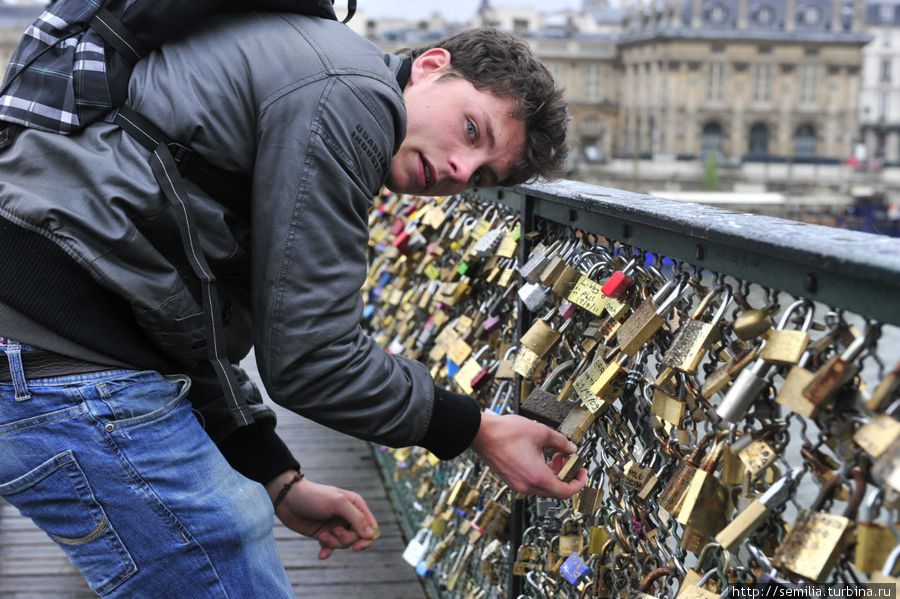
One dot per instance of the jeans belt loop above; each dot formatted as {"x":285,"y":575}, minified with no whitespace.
{"x":13,"y":352}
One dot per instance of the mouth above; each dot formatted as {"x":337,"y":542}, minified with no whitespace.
{"x":427,"y":173}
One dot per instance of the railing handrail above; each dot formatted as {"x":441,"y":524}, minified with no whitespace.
{"x":845,"y":269}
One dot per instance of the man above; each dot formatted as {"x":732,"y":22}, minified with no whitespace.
{"x":103,"y":450}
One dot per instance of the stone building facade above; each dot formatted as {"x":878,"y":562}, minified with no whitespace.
{"x":757,"y":80}
{"x":880,"y":100}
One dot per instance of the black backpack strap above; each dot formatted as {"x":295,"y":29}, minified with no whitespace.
{"x":165,"y":169}
{"x":118,"y":36}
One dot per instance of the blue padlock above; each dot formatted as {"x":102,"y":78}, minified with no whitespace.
{"x":452,"y":367}
{"x":574,"y":568}
{"x":423,"y":570}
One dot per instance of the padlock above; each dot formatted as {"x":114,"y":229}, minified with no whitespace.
{"x":818,"y":539}
{"x":571,"y":468}
{"x":744,"y":391}
{"x":693,"y":339}
{"x":601,"y":383}
{"x":537,"y":260}
{"x":493,"y":520}
{"x":706,"y":505}
{"x":417,"y":548}
{"x":567,"y":276}
{"x":533,"y":295}
{"x":877,"y":435}
{"x":577,"y":422}
{"x":587,"y":294}
{"x":586,"y":379}
{"x":470,"y":369}
{"x":874,"y":540}
{"x":500,"y":403}
{"x":721,"y":376}
{"x":752,"y":516}
{"x":671,"y":498}
{"x":790,"y":394}
{"x":425,"y":568}
{"x":759,"y":449}
{"x":556,"y":263}
{"x":528,"y":552}
{"x":886,"y":391}
{"x":619,"y":283}
{"x":542,"y":405}
{"x":667,"y":407}
{"x":637,"y":474}
{"x":590,"y":498}
{"x":537,"y":341}
{"x":574,"y":569}
{"x":785,"y":346}
{"x":751,"y":324}
{"x":571,"y":539}
{"x":838,"y":370}
{"x":648,"y":317}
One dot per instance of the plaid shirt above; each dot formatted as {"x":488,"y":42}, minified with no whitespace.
{"x":73,"y":63}
{"x":57,"y":77}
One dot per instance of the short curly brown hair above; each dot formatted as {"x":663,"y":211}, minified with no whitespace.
{"x":504,"y":65}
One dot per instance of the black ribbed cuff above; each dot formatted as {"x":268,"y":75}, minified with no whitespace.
{"x":454,"y":423}
{"x":257,"y":452}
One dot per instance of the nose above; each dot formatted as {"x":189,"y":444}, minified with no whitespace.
{"x":461,"y":167}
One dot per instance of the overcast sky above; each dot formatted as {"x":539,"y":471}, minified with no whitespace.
{"x":453,"y":10}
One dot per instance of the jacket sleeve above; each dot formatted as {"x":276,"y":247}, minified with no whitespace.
{"x":314,"y":179}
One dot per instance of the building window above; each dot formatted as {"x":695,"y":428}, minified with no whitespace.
{"x":520,"y":26}
{"x":886,"y":39}
{"x":718,"y":48}
{"x":762,"y":83}
{"x":593,"y":83}
{"x":810,"y":51}
{"x":809,"y":84}
{"x":716,"y":83}
{"x":765,"y":15}
{"x":764,"y":49}
{"x":711,"y":140}
{"x":759,"y":140}
{"x":885,"y":70}
{"x":882,"y":106}
{"x":805,"y":141}
{"x":810,"y":15}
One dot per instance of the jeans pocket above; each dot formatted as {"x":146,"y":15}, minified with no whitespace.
{"x":58,"y":498}
{"x":139,"y":395}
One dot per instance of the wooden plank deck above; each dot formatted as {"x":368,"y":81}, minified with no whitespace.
{"x":33,"y":567}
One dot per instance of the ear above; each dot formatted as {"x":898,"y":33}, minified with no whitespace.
{"x":431,"y":63}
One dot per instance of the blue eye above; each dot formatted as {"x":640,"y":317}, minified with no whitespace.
{"x":471,"y":129}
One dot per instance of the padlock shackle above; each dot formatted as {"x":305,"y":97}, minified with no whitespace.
{"x":654,"y":575}
{"x":786,"y":316}
{"x":873,"y":330}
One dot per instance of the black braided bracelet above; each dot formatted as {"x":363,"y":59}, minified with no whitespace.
{"x":284,"y":490}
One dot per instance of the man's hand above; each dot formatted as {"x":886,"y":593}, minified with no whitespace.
{"x":513,"y":447}
{"x":336,"y":518}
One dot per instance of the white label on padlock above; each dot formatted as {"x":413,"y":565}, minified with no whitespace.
{"x":417,"y":548}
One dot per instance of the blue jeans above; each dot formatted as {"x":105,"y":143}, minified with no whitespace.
{"x":116,"y":469}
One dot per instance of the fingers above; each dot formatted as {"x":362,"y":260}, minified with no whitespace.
{"x":558,"y":441}
{"x":361,"y":505}
{"x":357,"y":514}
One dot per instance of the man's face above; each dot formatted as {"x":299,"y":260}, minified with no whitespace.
{"x":456,"y":136}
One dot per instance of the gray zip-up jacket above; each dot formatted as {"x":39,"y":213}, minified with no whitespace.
{"x":315,"y":113}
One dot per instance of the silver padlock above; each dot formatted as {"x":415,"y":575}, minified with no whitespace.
{"x":751,"y":382}
{"x":537,"y":260}
{"x":533,"y":295}
{"x":417,"y":548}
